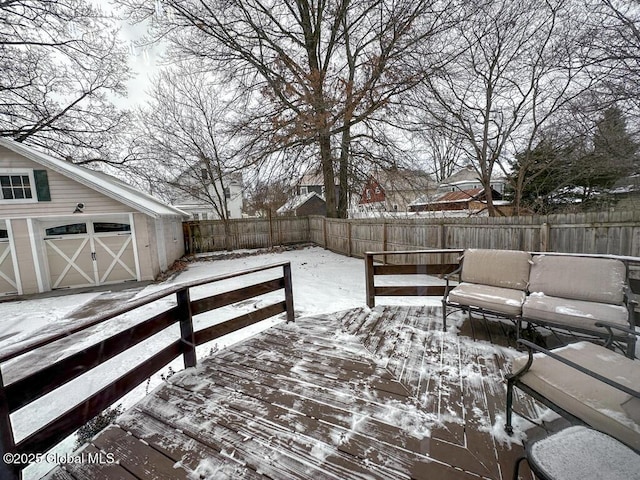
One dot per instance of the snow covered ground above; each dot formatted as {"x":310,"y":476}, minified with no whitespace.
{"x":322,"y":282}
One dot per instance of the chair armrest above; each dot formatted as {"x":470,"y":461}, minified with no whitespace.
{"x":446,"y":276}
{"x":455,"y":272}
{"x":614,"y":326}
{"x":629,"y":294}
{"x":532,"y":346}
{"x":527,"y":366}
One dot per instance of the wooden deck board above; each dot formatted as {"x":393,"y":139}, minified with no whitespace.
{"x":357,"y":394}
{"x":91,"y":471}
{"x":182,"y":448}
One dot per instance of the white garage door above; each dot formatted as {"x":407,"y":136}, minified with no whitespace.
{"x":90,"y":253}
{"x":8,"y":284}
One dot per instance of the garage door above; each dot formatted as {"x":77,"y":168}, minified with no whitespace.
{"x":89,"y":253}
{"x":8,"y":284}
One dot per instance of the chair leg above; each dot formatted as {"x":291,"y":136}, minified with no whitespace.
{"x":516,"y":469}
{"x":444,"y":316}
{"x":509,"y":413}
{"x":631,"y":347}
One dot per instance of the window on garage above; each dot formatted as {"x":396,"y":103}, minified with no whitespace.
{"x":4,"y":233}
{"x":105,"y":227}
{"x":15,"y":187}
{"x":70,"y":229}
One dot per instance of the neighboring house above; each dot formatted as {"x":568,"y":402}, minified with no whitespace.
{"x":467,"y":179}
{"x":626,"y":192}
{"x":311,"y":182}
{"x":64,"y":226}
{"x":200,"y":209}
{"x":393,"y":190}
{"x":303,"y":205}
{"x":314,"y":182}
{"x":472,"y":201}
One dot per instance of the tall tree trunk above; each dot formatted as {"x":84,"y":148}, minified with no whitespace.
{"x":343,"y":173}
{"x":328,"y":175}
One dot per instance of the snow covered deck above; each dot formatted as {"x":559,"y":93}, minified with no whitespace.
{"x":380,"y":393}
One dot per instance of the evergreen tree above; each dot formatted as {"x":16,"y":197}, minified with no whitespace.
{"x":544,"y":177}
{"x":563,"y":168}
{"x":610,"y":156}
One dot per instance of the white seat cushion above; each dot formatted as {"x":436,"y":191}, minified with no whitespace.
{"x":573,"y":313}
{"x":594,"y":402}
{"x":502,"y":300}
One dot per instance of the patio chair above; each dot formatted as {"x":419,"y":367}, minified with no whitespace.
{"x":584,"y":382}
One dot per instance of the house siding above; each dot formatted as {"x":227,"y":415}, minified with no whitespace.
{"x":65,"y":194}
{"x":146,"y":242}
{"x":174,"y":246}
{"x":23,"y":250}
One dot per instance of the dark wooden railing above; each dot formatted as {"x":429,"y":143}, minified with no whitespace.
{"x":371,"y":270}
{"x":22,"y":392}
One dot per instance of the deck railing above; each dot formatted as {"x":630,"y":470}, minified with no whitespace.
{"x":20,"y":393}
{"x":435,"y":262}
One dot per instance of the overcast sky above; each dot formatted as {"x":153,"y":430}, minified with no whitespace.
{"x":143,"y":61}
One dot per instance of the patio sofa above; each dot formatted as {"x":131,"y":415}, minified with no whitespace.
{"x":558,"y":291}
{"x":584,"y":382}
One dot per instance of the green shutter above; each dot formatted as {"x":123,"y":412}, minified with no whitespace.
{"x":42,"y":185}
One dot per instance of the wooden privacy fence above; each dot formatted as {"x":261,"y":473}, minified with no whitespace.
{"x":616,"y":233}
{"x":22,"y":392}
{"x":215,"y":235}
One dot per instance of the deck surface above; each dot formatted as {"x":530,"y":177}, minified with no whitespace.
{"x":360,"y":394}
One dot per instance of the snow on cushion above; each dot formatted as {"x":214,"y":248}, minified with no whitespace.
{"x":594,"y":402}
{"x":498,"y":268}
{"x":580,"y":278}
{"x":502,"y":300}
{"x":578,"y":452}
{"x":573,"y":313}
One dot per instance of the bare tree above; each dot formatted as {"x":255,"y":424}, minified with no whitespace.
{"x":318,"y":70}
{"x":515,"y":65}
{"x":184,"y":147}
{"x":266,"y":196}
{"x":61,"y":61}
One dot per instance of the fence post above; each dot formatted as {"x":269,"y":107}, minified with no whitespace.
{"x":384,"y":245}
{"x":279,"y":227}
{"x":270,"y":230}
{"x":324,"y":231}
{"x":544,"y":237}
{"x":288,"y":292}
{"x":349,"y":249}
{"x":369,"y":282}
{"x":442,"y":240}
{"x":7,"y":442}
{"x":186,"y":328}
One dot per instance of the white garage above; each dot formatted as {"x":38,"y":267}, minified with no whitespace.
{"x":64,"y":226}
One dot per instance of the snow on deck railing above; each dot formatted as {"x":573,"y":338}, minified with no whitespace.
{"x":33,"y":386}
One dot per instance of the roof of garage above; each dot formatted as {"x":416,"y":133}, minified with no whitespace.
{"x":99,"y":181}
